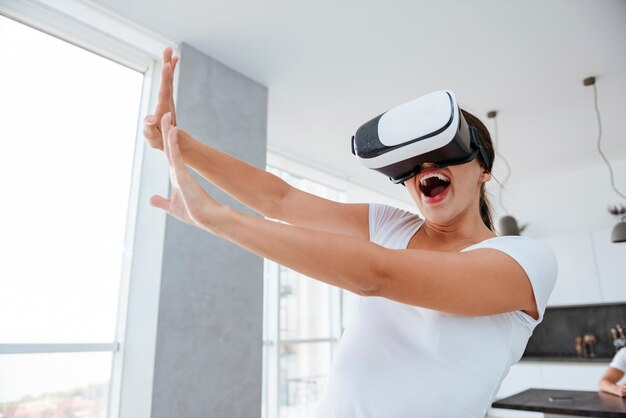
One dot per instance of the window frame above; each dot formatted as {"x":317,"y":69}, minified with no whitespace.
{"x":272,"y":341}
{"x":103,"y":33}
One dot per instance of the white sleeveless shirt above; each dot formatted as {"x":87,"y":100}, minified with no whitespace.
{"x":396,"y":360}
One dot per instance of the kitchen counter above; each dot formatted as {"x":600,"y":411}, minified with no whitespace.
{"x":570,"y":359}
{"x":566,"y":402}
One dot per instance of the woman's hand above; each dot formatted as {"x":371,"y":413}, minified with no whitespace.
{"x":152,"y":129}
{"x":620,"y":390}
{"x":188,"y":202}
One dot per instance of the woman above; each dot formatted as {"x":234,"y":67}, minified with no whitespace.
{"x":450,"y":306}
{"x":609,"y":383}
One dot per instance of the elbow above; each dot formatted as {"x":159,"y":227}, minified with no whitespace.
{"x":368,"y":290}
{"x":372,"y":280}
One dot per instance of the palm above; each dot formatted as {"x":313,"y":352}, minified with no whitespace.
{"x":188,"y":202}
{"x":177,"y":207}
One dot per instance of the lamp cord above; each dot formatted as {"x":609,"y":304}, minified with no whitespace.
{"x":595,"y":101}
{"x":508,"y":166}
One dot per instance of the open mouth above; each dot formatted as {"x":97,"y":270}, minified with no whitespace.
{"x":433,"y":184}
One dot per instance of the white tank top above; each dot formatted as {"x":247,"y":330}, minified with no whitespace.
{"x":396,"y":360}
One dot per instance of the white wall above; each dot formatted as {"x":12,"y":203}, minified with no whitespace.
{"x":568,"y":202}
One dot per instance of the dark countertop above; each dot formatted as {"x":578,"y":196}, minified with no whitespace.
{"x":567,"y":402}
{"x":568,"y":359}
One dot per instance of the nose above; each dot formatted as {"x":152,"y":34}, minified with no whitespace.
{"x":425,"y":166}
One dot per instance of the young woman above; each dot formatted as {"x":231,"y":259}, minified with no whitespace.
{"x":448,"y":306}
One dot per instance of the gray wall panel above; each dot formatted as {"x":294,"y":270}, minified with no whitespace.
{"x":208,"y":354}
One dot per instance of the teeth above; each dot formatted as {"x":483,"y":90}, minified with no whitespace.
{"x":431,"y":175}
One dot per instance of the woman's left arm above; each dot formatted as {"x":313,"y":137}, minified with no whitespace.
{"x":479,"y":282}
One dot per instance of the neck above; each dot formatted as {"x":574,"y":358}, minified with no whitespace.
{"x":467,"y":227}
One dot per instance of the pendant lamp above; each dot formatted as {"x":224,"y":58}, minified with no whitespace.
{"x":507,"y":225}
{"x":619,"y":230}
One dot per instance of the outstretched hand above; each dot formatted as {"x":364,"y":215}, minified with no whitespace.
{"x":152,"y":127}
{"x":189,"y":202}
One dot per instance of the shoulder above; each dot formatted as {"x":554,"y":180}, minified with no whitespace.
{"x":525,"y":250}
{"x":387,"y":221}
{"x":385,"y":212}
{"x":536,"y":259}
{"x":619,"y":361}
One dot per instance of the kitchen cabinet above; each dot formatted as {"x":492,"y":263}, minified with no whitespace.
{"x":521,"y":376}
{"x":577,"y":281}
{"x":572,"y":377}
{"x":611,"y":265}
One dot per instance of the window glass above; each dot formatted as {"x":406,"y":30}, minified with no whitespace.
{"x":54,"y":385}
{"x":304,"y":371}
{"x":69,"y":123}
{"x":304,"y":306}
{"x":301,"y":328}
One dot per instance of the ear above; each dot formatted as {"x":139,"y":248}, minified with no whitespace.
{"x":485,"y":177}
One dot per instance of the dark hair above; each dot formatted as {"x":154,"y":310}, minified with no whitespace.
{"x":485,"y":142}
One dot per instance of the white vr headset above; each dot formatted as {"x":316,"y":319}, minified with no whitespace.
{"x":428,"y":129}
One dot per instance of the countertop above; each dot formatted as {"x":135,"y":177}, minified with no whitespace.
{"x":567,"y":359}
{"x":567,"y":402}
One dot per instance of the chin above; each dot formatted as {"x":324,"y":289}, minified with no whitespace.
{"x":437,"y":217}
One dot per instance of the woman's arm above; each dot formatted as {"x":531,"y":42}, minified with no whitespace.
{"x":479,"y":282}
{"x":270,"y":195}
{"x":608,"y":382}
{"x":254,"y":187}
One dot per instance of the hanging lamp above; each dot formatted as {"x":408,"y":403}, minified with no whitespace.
{"x":507,"y":225}
{"x":619,"y":230}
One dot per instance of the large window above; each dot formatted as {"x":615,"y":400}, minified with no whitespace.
{"x":69,"y":128}
{"x":302,"y":326}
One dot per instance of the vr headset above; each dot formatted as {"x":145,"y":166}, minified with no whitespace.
{"x":428,"y":129}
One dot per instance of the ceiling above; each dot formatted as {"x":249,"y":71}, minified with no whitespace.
{"x":332,"y":65}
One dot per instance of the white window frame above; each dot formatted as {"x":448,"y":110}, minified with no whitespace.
{"x":106,"y":34}
{"x":272,"y":341}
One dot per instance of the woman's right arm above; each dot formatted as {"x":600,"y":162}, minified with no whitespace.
{"x":270,"y":195}
{"x":608,"y":383}
{"x":254,"y":187}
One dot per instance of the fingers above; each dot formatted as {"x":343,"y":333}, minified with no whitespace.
{"x":165,"y":91}
{"x":179,"y":175}
{"x":167,"y":54}
{"x":174,"y":150}
{"x":160,"y":202}
{"x":172,"y":105}
{"x":179,"y":170}
{"x":166,"y":122}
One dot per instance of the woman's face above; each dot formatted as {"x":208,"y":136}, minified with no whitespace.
{"x":444,"y":194}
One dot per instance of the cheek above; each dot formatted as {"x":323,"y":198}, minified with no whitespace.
{"x":411,"y":187}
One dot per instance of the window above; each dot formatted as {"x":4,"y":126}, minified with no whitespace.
{"x":302,"y":325}
{"x":69,"y":129}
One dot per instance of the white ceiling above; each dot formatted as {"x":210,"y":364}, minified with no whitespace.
{"x":332,"y":65}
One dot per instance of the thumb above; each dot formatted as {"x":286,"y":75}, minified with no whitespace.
{"x":160,"y":202}
{"x":150,"y":120}
{"x":150,"y":127}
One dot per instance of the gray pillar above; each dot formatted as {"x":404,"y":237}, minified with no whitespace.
{"x":209,"y":336}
